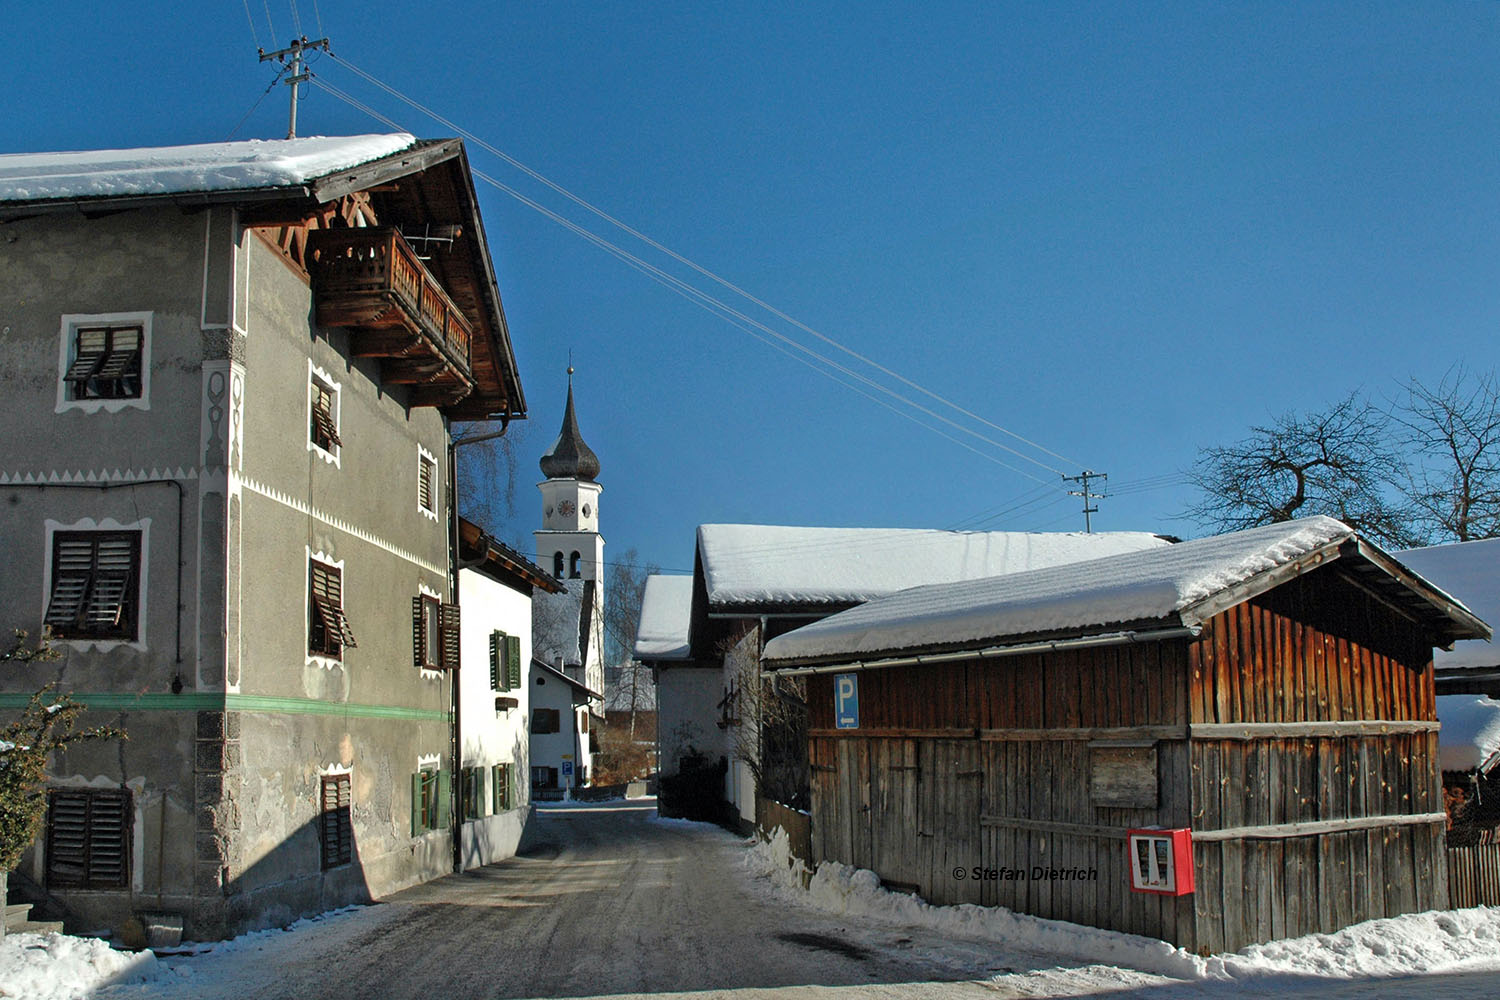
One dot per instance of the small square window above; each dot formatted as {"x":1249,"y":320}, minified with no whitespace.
{"x":546,"y":720}
{"x":95,"y":586}
{"x":327,"y":629}
{"x":106,"y":362}
{"x":427,"y":484}
{"x":323,"y":426}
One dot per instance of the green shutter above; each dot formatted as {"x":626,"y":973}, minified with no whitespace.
{"x":513,"y":661}
{"x":418,"y":825}
{"x":444,"y":817}
{"x":497,"y":672}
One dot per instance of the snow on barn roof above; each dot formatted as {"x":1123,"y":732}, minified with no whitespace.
{"x":1470,"y":571}
{"x":1470,"y":736}
{"x":666,"y":611}
{"x":1181,"y":584}
{"x":762,"y":564}
{"x":216,"y":166}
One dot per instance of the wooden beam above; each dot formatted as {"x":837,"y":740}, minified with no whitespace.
{"x":1142,"y":733}
{"x":899,"y":734}
{"x":1285,"y":831}
{"x":1048,"y":826}
{"x":1308,"y":730}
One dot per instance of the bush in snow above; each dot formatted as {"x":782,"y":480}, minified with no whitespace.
{"x":47,"y":724}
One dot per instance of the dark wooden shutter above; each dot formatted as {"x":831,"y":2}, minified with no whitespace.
{"x":90,"y":350}
{"x":330,"y":629}
{"x":336,"y":823}
{"x":325,"y":433}
{"x":426,"y":481}
{"x":88,"y":838}
{"x":513,"y":661}
{"x":418,"y":634}
{"x":448,"y":626}
{"x":95,"y":584}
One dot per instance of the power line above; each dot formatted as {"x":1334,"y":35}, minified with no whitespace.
{"x":716,"y":306}
{"x":253,"y":31}
{"x":700,"y":269}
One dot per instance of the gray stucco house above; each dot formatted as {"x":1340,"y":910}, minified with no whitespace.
{"x":227,"y":376}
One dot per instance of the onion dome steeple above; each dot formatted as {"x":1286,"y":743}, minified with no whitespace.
{"x":569,"y":457}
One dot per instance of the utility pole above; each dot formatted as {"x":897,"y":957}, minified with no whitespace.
{"x":291,"y":57}
{"x":1083,"y":480}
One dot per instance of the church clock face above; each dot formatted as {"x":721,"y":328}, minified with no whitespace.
{"x":565,"y":508}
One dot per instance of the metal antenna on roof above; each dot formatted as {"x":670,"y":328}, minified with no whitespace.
{"x":1083,"y":479}
{"x":291,"y":56}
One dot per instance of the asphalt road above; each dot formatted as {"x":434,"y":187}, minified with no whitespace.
{"x":607,"y":901}
{"x":611,"y":902}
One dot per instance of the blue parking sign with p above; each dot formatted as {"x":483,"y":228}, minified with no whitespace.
{"x":846,"y":700}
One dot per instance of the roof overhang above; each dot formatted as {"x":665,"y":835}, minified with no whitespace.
{"x":577,"y":685}
{"x":480,"y":551}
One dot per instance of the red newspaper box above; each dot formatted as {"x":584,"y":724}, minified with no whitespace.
{"x":1161,"y":861}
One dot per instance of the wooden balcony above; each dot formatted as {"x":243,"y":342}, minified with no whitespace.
{"x":371,"y":282}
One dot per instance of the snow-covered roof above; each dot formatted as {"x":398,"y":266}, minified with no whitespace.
{"x":565,"y":677}
{"x":1180,"y":584}
{"x":216,"y":166}
{"x":1470,"y":571}
{"x":761,"y":564}
{"x":1470,"y":737}
{"x":666,"y":611}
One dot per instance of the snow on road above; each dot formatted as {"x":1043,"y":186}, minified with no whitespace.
{"x":613,"y":901}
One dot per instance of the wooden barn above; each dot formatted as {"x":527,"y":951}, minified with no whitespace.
{"x":1268,"y":694}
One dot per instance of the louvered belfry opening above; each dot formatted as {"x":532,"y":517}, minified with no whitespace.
{"x":88,"y":838}
{"x":335,"y":824}
{"x":95,"y":584}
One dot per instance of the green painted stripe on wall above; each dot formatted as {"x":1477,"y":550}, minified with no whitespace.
{"x":212,"y":702}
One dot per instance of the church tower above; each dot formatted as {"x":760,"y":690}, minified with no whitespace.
{"x":569,"y":543}
{"x":569,"y":627}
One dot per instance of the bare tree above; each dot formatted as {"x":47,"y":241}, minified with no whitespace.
{"x":1340,"y":462}
{"x":768,"y":720}
{"x":487,"y":474}
{"x":624,"y":589}
{"x":1452,"y":432}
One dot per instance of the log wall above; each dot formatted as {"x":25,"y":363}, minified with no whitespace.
{"x":995,"y":764}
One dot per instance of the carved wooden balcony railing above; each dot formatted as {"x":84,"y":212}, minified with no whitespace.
{"x":371,"y":281}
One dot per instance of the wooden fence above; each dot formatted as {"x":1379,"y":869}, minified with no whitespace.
{"x":1474,"y":875}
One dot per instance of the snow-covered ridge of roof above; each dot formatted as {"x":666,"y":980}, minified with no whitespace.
{"x":777,"y":564}
{"x":1470,"y":737}
{"x":216,"y":166}
{"x":1140,"y":586}
{"x":666,"y":611}
{"x":1470,"y":571}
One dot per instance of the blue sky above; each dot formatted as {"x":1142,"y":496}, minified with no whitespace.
{"x":1123,"y":231}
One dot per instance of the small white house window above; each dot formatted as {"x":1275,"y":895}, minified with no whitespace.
{"x":104,"y":362}
{"x":427,"y":480}
{"x":323,"y":415}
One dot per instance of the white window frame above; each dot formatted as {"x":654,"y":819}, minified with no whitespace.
{"x":316,"y":375}
{"x":143,"y":600}
{"x":66,"y":349}
{"x":317,"y":555}
{"x":427,"y":459}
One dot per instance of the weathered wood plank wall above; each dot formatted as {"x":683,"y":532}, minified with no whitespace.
{"x":1474,"y":875}
{"x":987,"y":764}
